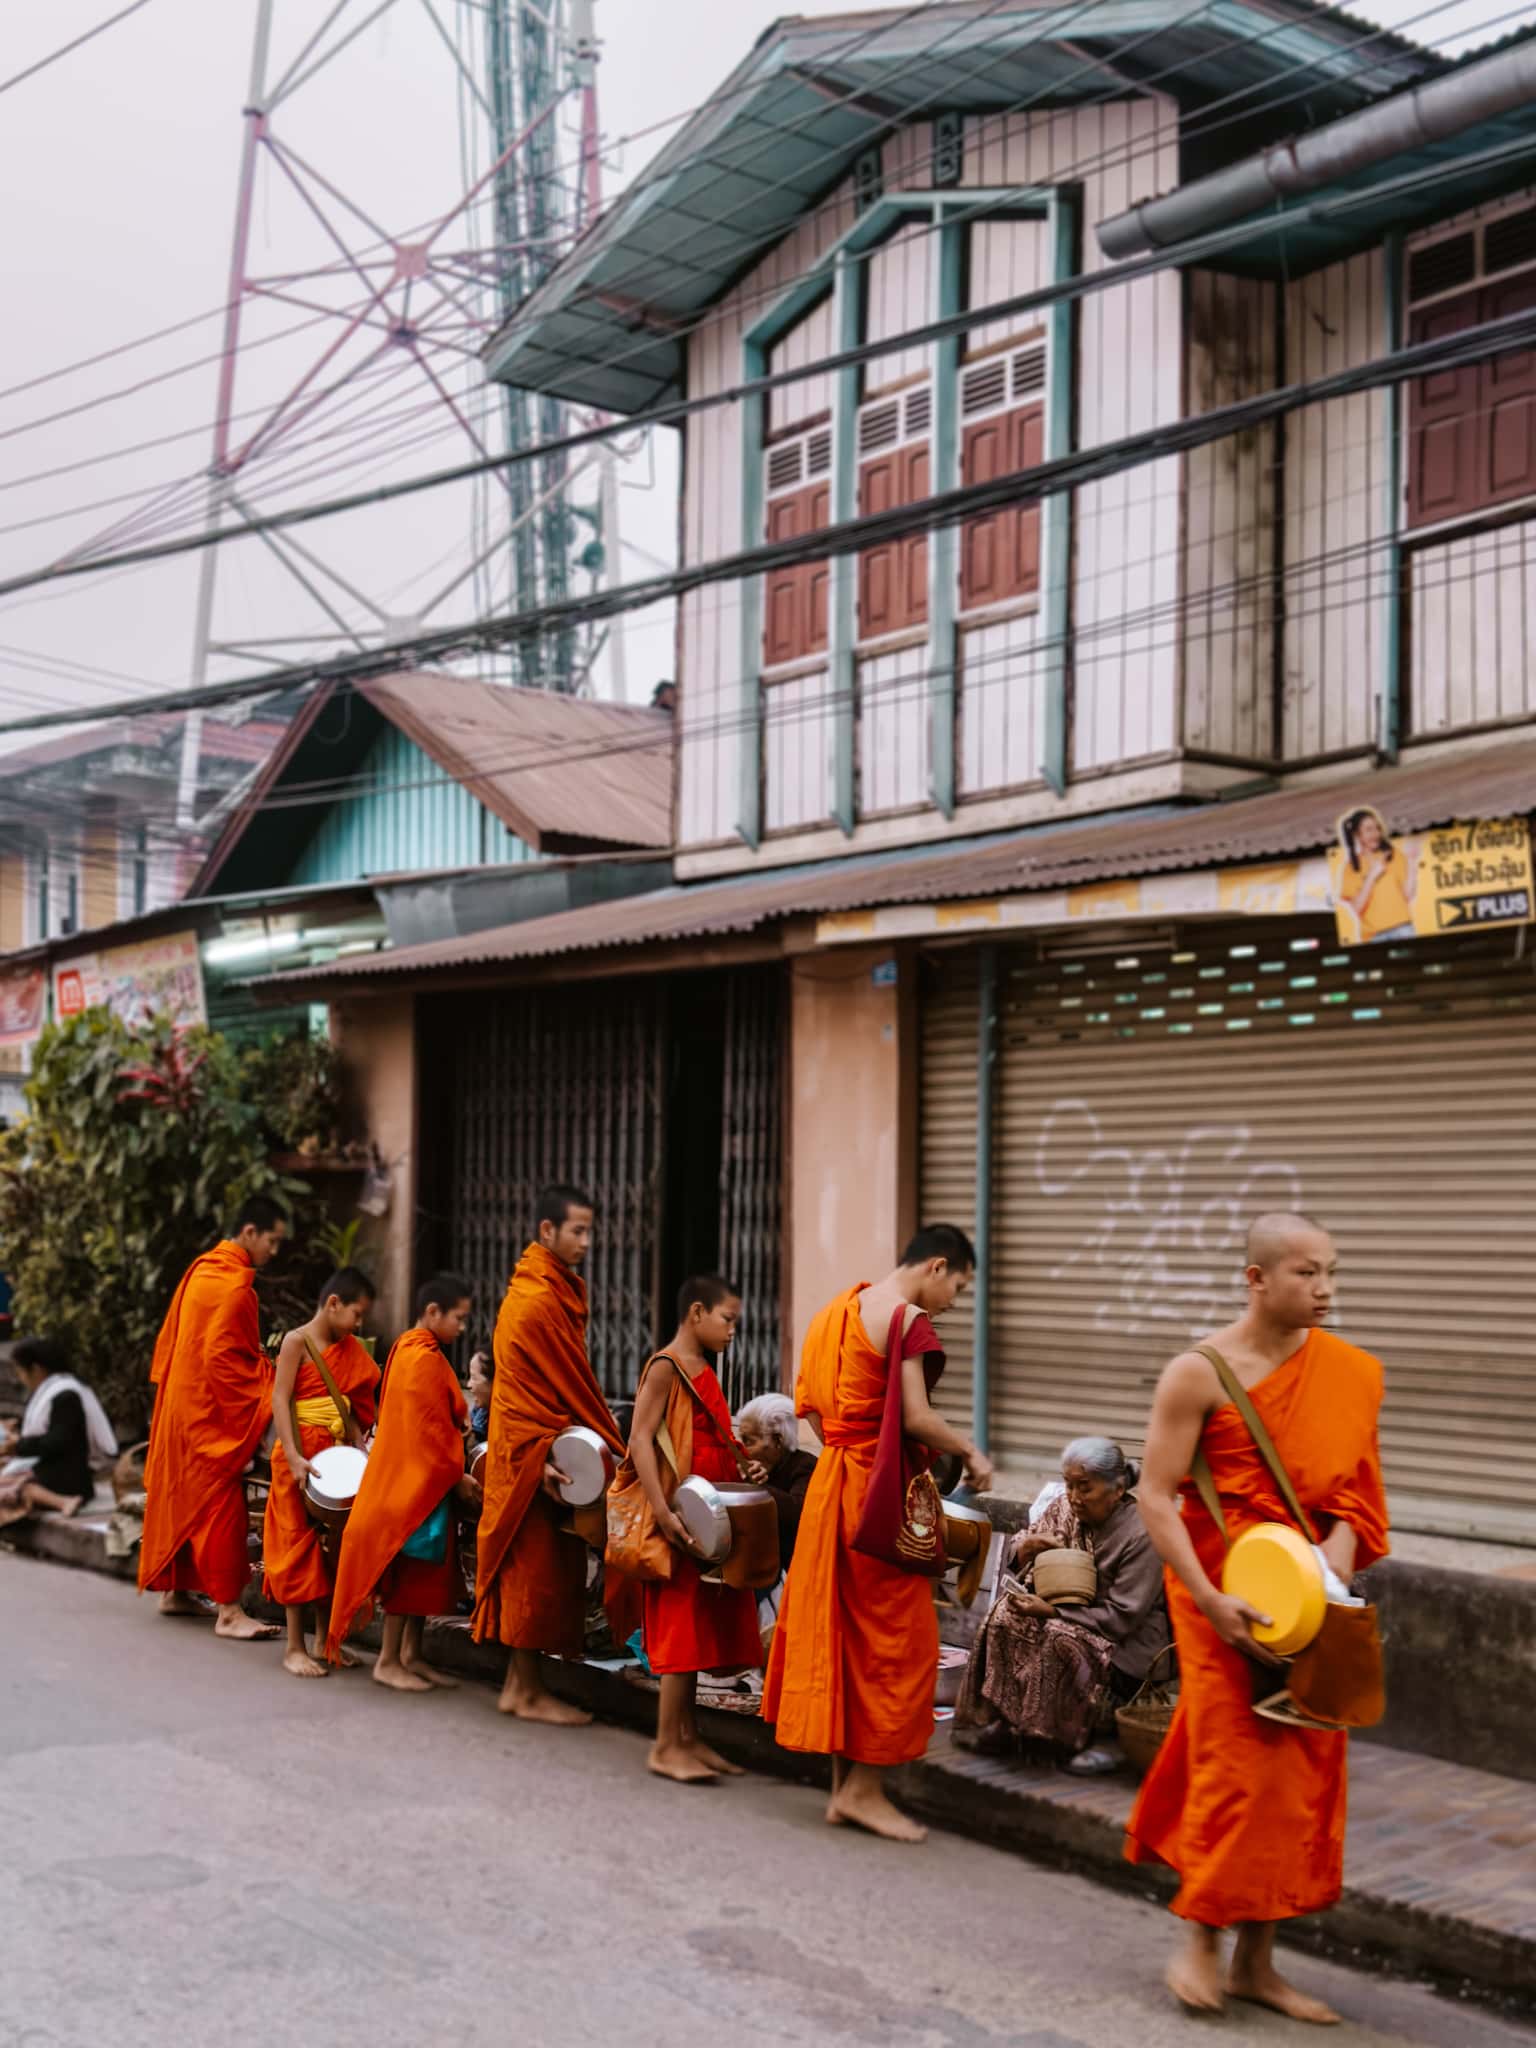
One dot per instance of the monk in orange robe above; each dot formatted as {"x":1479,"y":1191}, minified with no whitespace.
{"x":213,"y":1402}
{"x":531,"y":1578}
{"x":297,"y":1574}
{"x":415,"y":1465}
{"x":688,"y":1626}
{"x":1250,"y":1813}
{"x":855,"y":1654}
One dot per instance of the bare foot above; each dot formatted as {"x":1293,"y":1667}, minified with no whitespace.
{"x":71,"y":1506}
{"x":299,"y":1664}
{"x":238,"y":1626}
{"x":861,"y":1808}
{"x":432,"y":1675}
{"x":684,"y":1765}
{"x":1268,"y":1987}
{"x":714,"y":1759}
{"x":398,"y":1679}
{"x":345,"y":1660}
{"x":15,"y":1511}
{"x":1194,"y":1978}
{"x":184,"y":1603}
{"x":543,"y":1706}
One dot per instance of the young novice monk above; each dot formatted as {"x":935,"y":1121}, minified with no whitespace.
{"x":689,"y":1626}
{"x":308,"y":1422}
{"x":417,"y":1460}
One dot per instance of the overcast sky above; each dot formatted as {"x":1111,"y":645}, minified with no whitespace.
{"x":120,"y":167}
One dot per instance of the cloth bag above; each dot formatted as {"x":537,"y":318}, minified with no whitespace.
{"x":1337,"y":1681}
{"x":635,"y":1546}
{"x":903,"y":1518}
{"x":429,"y":1543}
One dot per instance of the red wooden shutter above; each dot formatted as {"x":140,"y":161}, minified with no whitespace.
{"x":1000,"y":552}
{"x":795,"y":600}
{"x":1447,"y":427}
{"x":893,"y":576}
{"x":1509,"y":398}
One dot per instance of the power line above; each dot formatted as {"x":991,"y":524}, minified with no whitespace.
{"x":90,"y":35}
{"x":1513,"y":333}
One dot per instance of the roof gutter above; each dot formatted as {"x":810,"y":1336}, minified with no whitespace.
{"x":1424,"y":114}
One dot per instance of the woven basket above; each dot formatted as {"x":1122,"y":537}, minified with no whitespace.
{"x":1145,"y":1719}
{"x":1069,"y":1577}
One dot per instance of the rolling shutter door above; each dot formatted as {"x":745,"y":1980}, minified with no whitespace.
{"x":947,"y":1160}
{"x":1150,"y":1103}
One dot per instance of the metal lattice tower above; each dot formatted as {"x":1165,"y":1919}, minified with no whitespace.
{"x":411,"y":304}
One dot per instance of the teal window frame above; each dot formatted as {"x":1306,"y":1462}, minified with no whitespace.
{"x":838,"y":274}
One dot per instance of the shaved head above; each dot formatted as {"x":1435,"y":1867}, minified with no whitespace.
{"x":1270,"y":1237}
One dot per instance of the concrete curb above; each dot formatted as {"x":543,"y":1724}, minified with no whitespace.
{"x":983,"y":1799}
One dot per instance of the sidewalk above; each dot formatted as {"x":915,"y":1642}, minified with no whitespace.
{"x":1440,"y":1863}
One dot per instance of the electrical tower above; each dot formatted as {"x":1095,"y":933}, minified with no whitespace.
{"x":387,"y":260}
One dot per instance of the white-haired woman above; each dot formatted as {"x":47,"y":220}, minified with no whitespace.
{"x":768,"y":1431}
{"x":1040,"y":1676}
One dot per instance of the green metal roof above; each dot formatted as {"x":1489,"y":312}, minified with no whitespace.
{"x":786,"y":127}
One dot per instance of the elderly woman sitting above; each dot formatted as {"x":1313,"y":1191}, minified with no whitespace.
{"x":768,"y":1432}
{"x":1043,"y":1675}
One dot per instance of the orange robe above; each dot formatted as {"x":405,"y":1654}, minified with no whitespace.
{"x":1250,"y":1813}
{"x":531,"y":1577}
{"x":212,"y":1406}
{"x":416,"y":1460}
{"x":296,"y":1573}
{"x":851,"y":1671}
{"x":688,"y":1625}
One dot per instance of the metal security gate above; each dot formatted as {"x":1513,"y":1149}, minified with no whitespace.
{"x":1151,"y":1100}
{"x":540,"y":1085}
{"x":947,"y":1160}
{"x":752,"y":1178}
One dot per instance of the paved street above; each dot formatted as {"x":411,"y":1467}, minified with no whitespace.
{"x":199,"y":1849}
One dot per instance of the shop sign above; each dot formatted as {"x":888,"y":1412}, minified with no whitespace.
{"x":1474,"y":876}
{"x":154,"y":978}
{"x":23,"y":1012}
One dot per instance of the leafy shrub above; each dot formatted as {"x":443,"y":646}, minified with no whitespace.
{"x":137,"y":1146}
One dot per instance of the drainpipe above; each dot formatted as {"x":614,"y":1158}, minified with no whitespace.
{"x":986,"y":1066}
{"x":1409,"y":120}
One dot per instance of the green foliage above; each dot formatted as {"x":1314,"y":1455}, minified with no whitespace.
{"x":137,"y":1146}
{"x":296,"y":1082}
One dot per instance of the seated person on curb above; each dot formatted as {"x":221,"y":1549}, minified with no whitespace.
{"x":1039,"y":1675}
{"x":297,"y":1568}
{"x":48,"y":1462}
{"x":769,"y":1434}
{"x":482,"y":1377}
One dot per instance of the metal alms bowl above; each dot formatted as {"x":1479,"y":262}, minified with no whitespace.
{"x":700,"y":1506}
{"x":335,"y":1475}
{"x":587,"y":1463}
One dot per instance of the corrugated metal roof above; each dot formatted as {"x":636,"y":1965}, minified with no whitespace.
{"x":552,"y":768}
{"x":1485,"y":782}
{"x":785,"y":128}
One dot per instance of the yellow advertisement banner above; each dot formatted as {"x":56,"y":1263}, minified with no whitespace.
{"x":1456,"y":878}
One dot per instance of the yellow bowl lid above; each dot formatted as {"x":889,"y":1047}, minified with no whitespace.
{"x":1272,"y":1567}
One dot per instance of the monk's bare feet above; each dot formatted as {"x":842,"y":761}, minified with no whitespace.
{"x":686,"y":1766}
{"x":431,"y":1674}
{"x":299,"y":1664}
{"x":184,"y":1603}
{"x":1265,"y":1986}
{"x":713,"y":1760}
{"x":398,"y":1679}
{"x":1194,"y":1975}
{"x":862,"y":1805}
{"x":234,"y":1623}
{"x":542,"y":1706}
{"x":345,"y":1661}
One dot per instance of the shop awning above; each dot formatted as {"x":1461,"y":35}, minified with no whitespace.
{"x":1488,"y":781}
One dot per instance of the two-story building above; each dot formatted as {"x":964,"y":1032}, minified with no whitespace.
{"x":1000,"y":838}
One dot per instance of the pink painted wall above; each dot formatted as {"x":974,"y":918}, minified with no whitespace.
{"x":853,"y":1126}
